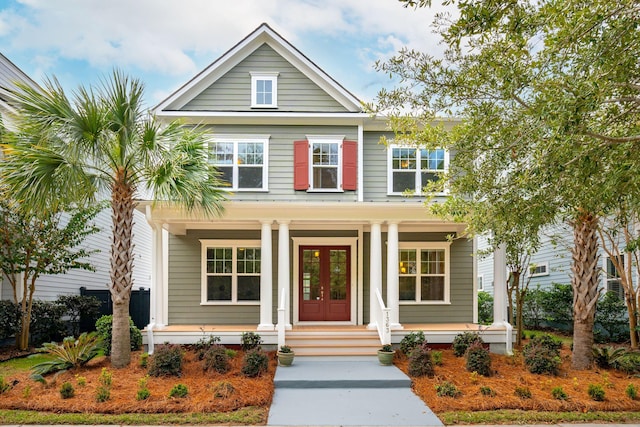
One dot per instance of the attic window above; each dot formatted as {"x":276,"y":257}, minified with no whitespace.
{"x":264,"y":90}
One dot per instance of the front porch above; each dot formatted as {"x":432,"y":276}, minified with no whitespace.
{"x":327,"y":340}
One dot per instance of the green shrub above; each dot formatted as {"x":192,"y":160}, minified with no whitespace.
{"x":231,"y":353}
{"x":80,"y":307}
{"x":203,"y":345}
{"x":596,"y":392}
{"x":631,"y":391}
{"x":223,"y":389}
{"x":611,"y":320}
{"x":143,"y":392}
{"x":447,"y":389}
{"x":485,"y":308}
{"x":462,"y":341}
{"x":629,"y":363}
{"x":606,"y":357}
{"x":216,"y":359}
{"x":104,"y":327}
{"x":487,"y":391}
{"x":542,"y":355}
{"x":523,"y":392}
{"x":166,"y":361}
{"x":46,"y":322}
{"x":250,"y":340}
{"x":144,"y":360}
{"x":179,"y":391}
{"x":478,"y":359}
{"x":411,"y":341}
{"x":66,"y":390}
{"x":255,"y":363}
{"x":9,"y":319}
{"x":103,"y":392}
{"x":71,"y":353}
{"x":436,"y":356}
{"x":558,"y":393}
{"x":421,"y":362}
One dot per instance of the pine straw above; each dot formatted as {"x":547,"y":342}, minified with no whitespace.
{"x":509,"y":373}
{"x":249,"y":392}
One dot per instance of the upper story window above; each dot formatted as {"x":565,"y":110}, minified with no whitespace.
{"x":325,"y":163}
{"x":411,"y":168}
{"x":230,"y":271}
{"x":539,"y":269}
{"x":612,"y":277}
{"x":424,"y":272}
{"x":264,"y":90}
{"x":242,"y":161}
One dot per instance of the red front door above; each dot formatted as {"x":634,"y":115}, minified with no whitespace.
{"x":325,"y":279}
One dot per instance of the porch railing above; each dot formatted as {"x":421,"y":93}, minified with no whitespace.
{"x":383,"y":320}
{"x":282,"y":319}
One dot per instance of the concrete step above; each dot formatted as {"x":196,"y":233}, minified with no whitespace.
{"x":340,"y":372}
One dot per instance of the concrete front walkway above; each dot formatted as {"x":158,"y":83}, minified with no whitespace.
{"x":345,"y":391}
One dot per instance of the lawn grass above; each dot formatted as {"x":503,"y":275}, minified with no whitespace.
{"x":22,"y":363}
{"x":536,"y":417}
{"x":245,"y":416}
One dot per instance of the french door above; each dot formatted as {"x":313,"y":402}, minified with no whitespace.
{"x":324,"y":282}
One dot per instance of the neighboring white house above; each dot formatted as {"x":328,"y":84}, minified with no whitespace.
{"x":550,"y":264}
{"x":49,"y":287}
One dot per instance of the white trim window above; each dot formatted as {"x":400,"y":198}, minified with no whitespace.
{"x":230,"y":271}
{"x":325,"y":161}
{"x":613,"y":283}
{"x":410,"y":169}
{"x":264,"y":90}
{"x":423,"y":273}
{"x":537,"y":269}
{"x":241,"y":161}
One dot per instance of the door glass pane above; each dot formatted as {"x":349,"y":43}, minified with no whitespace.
{"x":338,"y":274}
{"x":311,"y":275}
{"x":219,"y":288}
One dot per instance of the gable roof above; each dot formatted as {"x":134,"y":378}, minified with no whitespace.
{"x":261,"y":35}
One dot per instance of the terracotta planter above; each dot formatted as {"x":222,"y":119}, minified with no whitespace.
{"x":386,"y":357}
{"x":285,"y":359}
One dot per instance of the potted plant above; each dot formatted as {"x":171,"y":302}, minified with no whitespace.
{"x":285,"y":356}
{"x":385,"y":355}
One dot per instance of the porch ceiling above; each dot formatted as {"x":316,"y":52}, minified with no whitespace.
{"x":334,"y":215}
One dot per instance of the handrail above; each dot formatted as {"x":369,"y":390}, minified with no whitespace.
{"x":281,"y":319}
{"x":383,"y":321}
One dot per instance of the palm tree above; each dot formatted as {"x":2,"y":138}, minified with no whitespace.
{"x":103,"y":143}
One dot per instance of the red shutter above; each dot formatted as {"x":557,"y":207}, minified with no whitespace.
{"x":301,"y":165}
{"x":349,"y":165}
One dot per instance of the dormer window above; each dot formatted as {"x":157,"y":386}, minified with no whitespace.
{"x":264,"y":90}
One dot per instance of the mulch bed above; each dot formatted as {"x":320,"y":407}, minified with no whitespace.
{"x":509,"y":373}
{"x":204,"y":389}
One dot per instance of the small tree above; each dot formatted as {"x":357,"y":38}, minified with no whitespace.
{"x":35,"y":245}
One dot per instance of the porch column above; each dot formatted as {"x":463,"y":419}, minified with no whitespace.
{"x":266,"y":285}
{"x":158,"y":288}
{"x":393,"y":286}
{"x":375,"y":274}
{"x":284,"y":279}
{"x":500,"y":318}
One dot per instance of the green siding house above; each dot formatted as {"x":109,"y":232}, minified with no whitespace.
{"x":317,"y":247}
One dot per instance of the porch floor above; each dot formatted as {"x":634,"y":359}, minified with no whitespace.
{"x":408,"y":327}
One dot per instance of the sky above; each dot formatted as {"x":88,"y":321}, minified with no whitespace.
{"x":167,"y":42}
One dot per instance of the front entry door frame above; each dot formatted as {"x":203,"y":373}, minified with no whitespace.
{"x":352,"y":242}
